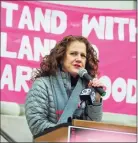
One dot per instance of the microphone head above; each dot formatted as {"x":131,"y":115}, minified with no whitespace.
{"x":82,"y":71}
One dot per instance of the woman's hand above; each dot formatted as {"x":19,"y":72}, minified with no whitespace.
{"x":96,"y":83}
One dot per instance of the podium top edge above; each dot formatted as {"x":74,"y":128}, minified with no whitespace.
{"x":52,"y":129}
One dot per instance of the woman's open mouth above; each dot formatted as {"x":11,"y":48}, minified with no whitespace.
{"x":77,"y":66}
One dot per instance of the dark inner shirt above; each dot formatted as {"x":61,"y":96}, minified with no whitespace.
{"x":74,"y":81}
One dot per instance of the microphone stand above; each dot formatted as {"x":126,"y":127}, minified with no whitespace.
{"x":86,"y":110}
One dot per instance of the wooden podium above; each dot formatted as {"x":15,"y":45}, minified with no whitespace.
{"x":60,"y":132}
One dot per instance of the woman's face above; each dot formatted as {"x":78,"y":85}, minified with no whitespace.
{"x":75,"y":58}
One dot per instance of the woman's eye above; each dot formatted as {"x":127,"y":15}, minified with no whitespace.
{"x":73,"y":53}
{"x":83,"y":56}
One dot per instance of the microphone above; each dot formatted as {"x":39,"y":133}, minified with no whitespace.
{"x":84,"y":74}
{"x":87,"y":95}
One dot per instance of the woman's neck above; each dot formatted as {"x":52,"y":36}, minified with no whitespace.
{"x":73,"y":78}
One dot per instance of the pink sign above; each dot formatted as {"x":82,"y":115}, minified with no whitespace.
{"x":80,"y":134}
{"x":29,"y":30}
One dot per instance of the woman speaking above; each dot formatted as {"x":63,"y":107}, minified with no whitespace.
{"x":55,"y":91}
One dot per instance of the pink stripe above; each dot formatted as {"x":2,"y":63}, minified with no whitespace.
{"x":59,"y":112}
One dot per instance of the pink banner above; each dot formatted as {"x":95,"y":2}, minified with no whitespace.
{"x":30,"y":29}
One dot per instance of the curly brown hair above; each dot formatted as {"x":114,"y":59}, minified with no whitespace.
{"x":50,"y":63}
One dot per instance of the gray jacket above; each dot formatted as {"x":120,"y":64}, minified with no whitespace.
{"x":41,"y":103}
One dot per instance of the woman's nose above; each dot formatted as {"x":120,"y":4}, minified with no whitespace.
{"x":78,"y":58}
